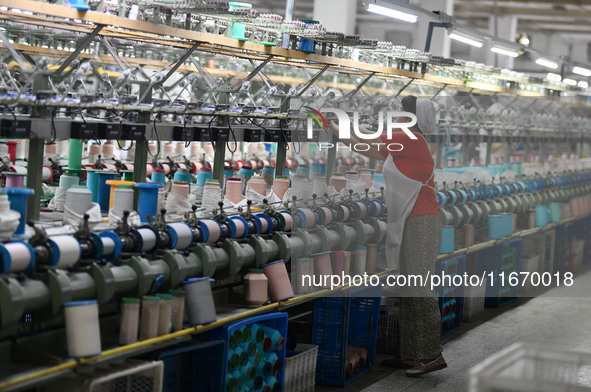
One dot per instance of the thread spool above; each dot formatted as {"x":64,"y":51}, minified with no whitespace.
{"x":238,"y":227}
{"x":447,"y":240}
{"x":130,"y":321}
{"x":91,"y":183}
{"x":18,"y":202}
{"x":104,"y":190}
{"x":181,"y":235}
{"x":347,"y":263}
{"x":66,"y":251}
{"x":280,"y":186}
{"x":258,"y":185}
{"x":181,"y":189}
{"x":308,"y":217}
{"x":358,"y":266}
{"x":377,"y":208}
{"x":362,"y":209}
{"x":322,"y":266}
{"x":211,"y":229}
{"x":273,"y":341}
{"x":183,"y":175}
{"x":113,"y":185}
{"x":167,"y":168}
{"x":82,"y":329}
{"x":279,"y":284}
{"x":343,"y":212}
{"x":325,"y":215}
{"x":468,"y":235}
{"x":149,"y":239}
{"x":531,"y":218}
{"x":68,"y":180}
{"x":16,"y":257}
{"x":265,"y":223}
{"x":234,"y":190}
{"x":111,"y":245}
{"x":94,"y":149}
{"x":195,"y":149}
{"x":180,"y":148}
{"x":14,"y":180}
{"x":351,"y":175}
{"x":168,"y":148}
{"x":164,"y":314}
{"x":367,"y":177}
{"x":158,"y":176}
{"x":199,"y":300}
{"x":122,"y":200}
{"x":177,"y":310}
{"x":75,"y":154}
{"x":211,"y":194}
{"x":203,"y":175}
{"x":147,"y":199}
{"x":304,"y":267}
{"x":255,"y":288}
{"x":338,"y":263}
{"x":150,"y":317}
{"x":108,"y":149}
{"x":286,"y":220}
{"x":371,"y":258}
{"x":78,"y":200}
{"x":46,"y":173}
{"x":50,"y":148}
{"x":268,"y":175}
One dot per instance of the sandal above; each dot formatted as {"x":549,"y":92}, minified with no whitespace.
{"x":399,"y":363}
{"x":424,"y":368}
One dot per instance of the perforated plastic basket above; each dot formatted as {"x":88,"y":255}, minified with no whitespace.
{"x":129,"y":376}
{"x":342,"y":322}
{"x":450,"y":297}
{"x":300,"y":369}
{"x":526,"y":367}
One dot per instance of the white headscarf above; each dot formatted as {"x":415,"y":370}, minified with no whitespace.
{"x":426,"y":115}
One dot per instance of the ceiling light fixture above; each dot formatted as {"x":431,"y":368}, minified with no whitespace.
{"x":570,"y":82}
{"x":504,"y":51}
{"x":582,"y":71}
{"x":553,"y":77}
{"x":583,"y":84}
{"x":546,"y":63}
{"x":392,"y":13}
{"x":465,"y":39}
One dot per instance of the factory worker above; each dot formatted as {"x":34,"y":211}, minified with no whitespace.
{"x":414,"y":234}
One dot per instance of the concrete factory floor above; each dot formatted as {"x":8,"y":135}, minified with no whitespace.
{"x":559,"y":318}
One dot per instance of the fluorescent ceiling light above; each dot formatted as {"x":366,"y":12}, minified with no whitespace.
{"x":546,"y":63}
{"x":583,"y":84}
{"x":465,"y":39}
{"x":392,"y":13}
{"x":570,"y":82}
{"x":553,"y":77}
{"x":504,"y":51}
{"x":582,"y":71}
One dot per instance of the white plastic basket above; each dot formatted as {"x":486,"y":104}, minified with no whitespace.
{"x":300,"y":369}
{"x":387,"y":330}
{"x":473,"y":305}
{"x":527,"y":367}
{"x":129,"y":376}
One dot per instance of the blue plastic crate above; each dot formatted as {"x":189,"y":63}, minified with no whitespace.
{"x":506,"y":259}
{"x":560,"y":248}
{"x":569,"y":246}
{"x":340,"y":322}
{"x":586,"y":236}
{"x":188,"y":365}
{"x":276,"y":321}
{"x":450,"y":298}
